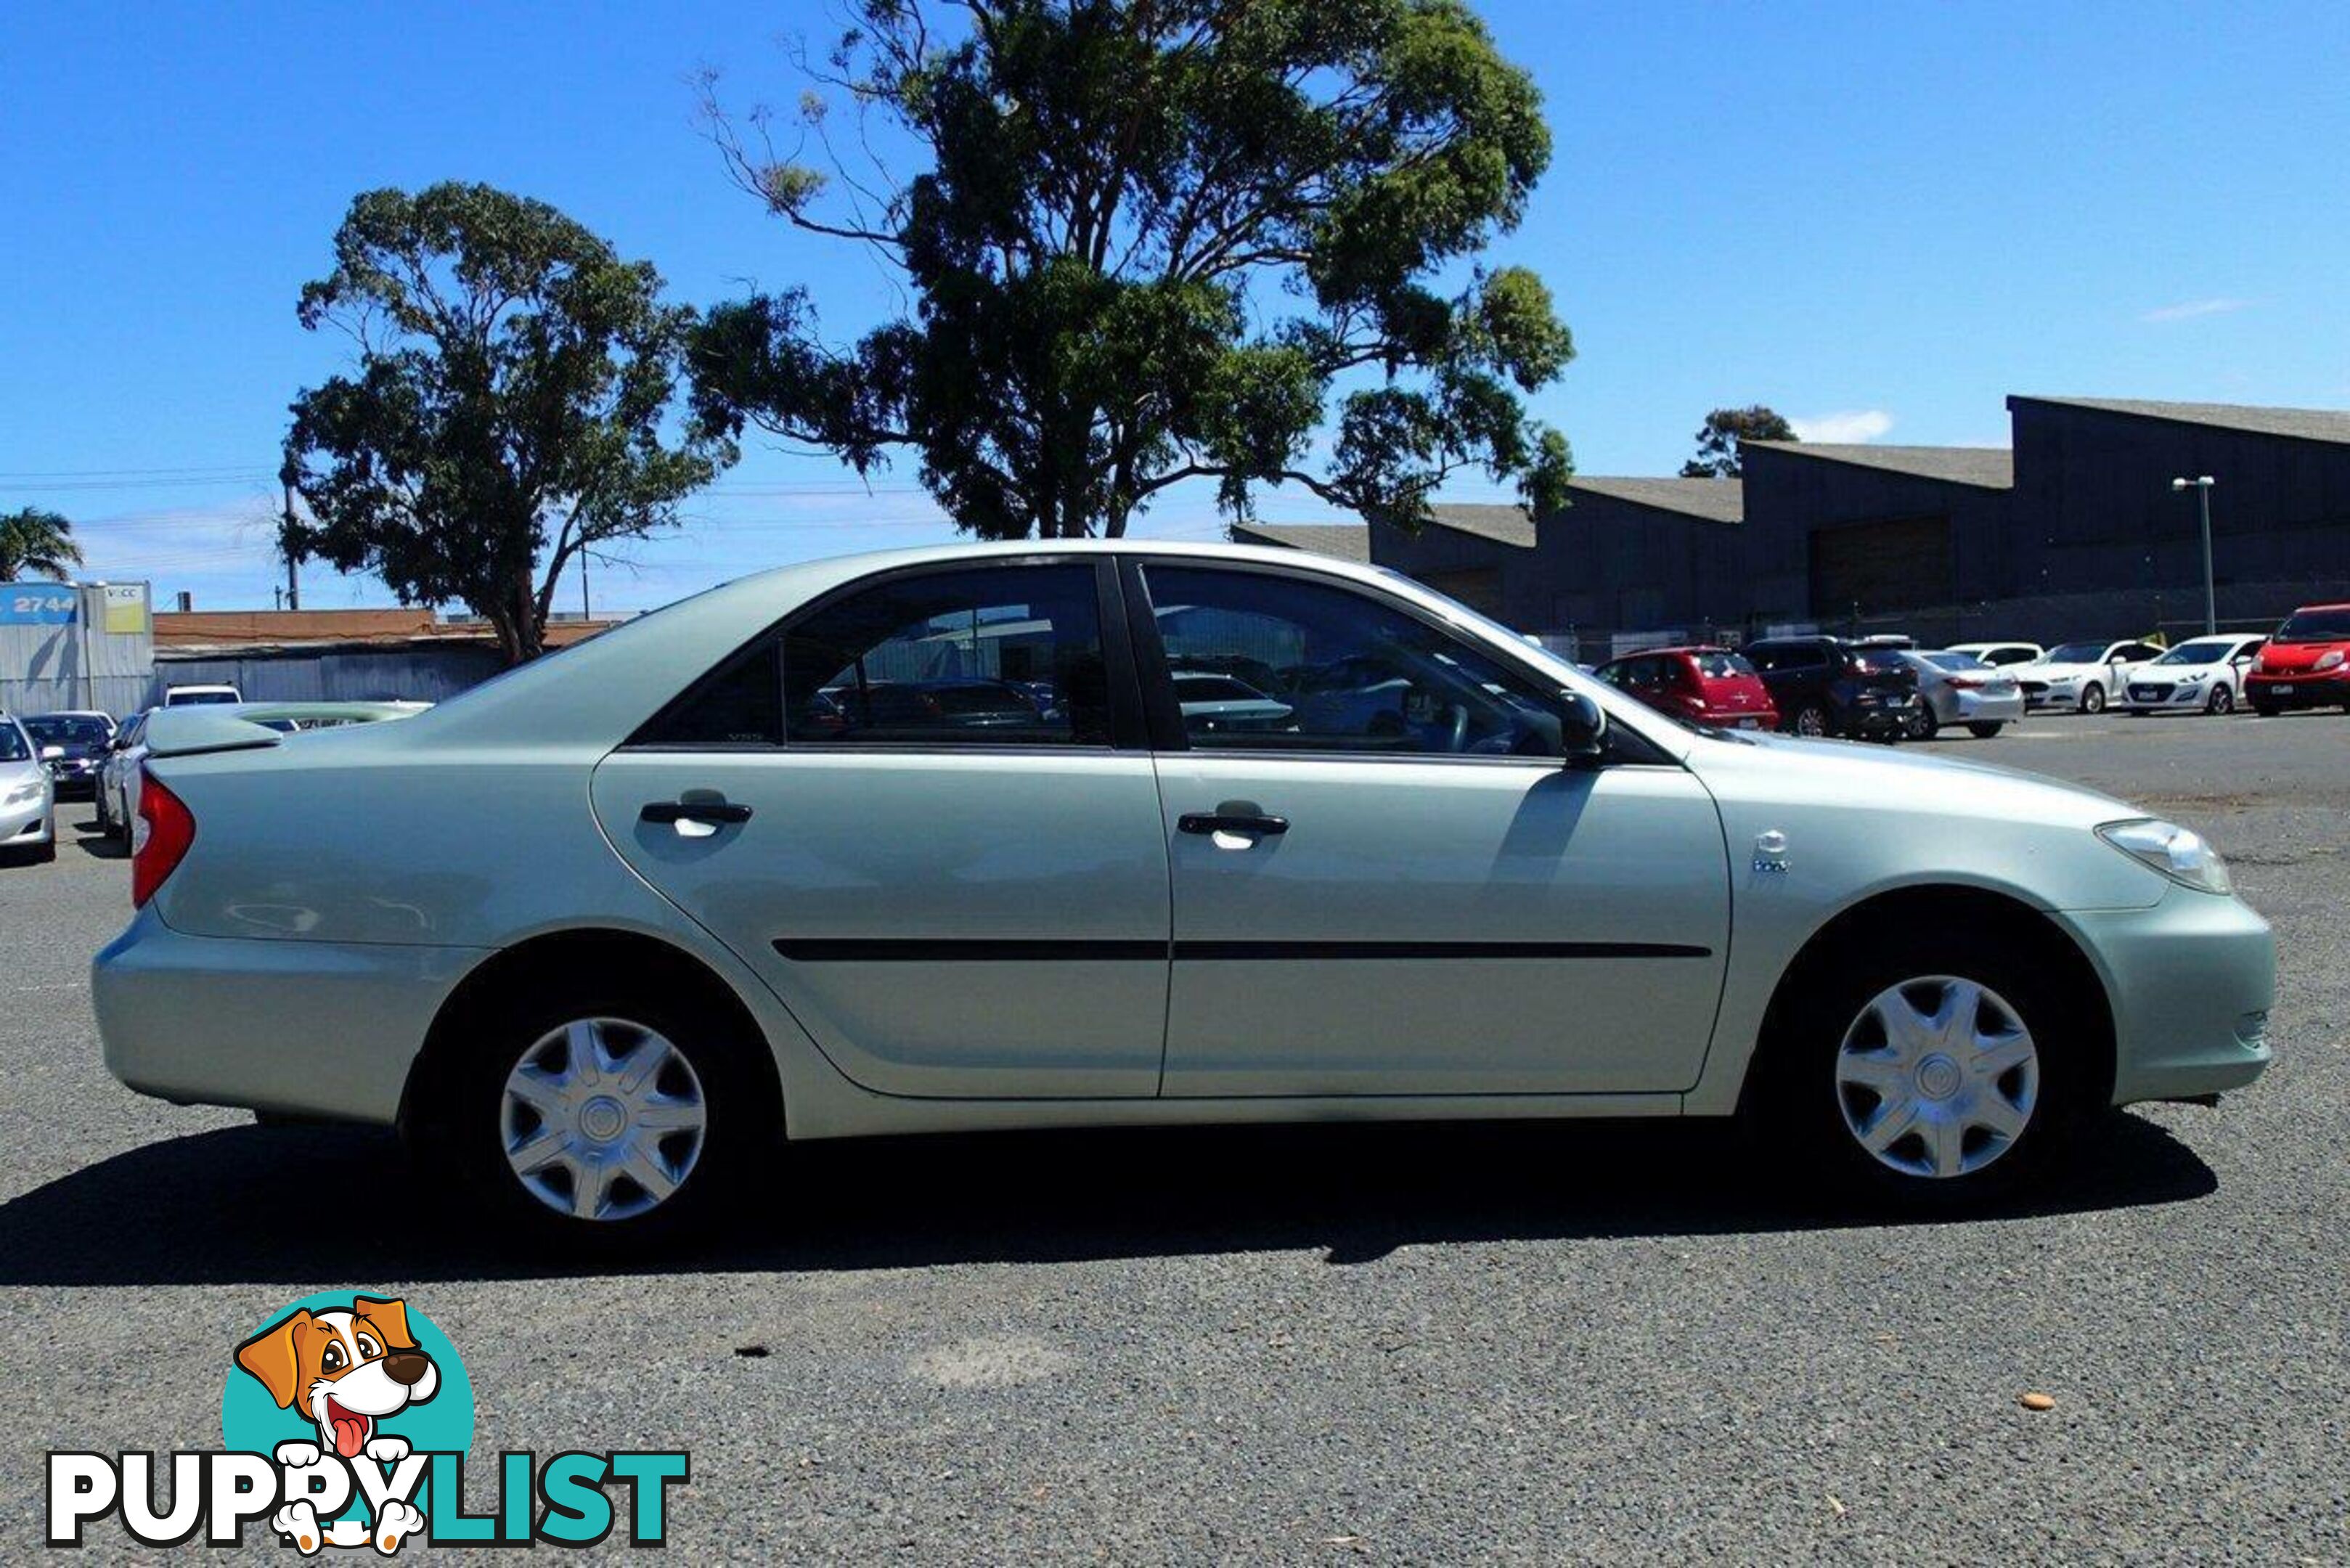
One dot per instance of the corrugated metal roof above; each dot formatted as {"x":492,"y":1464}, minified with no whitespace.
{"x":2306,"y":424}
{"x":1991,"y":467}
{"x":1504,"y":524}
{"x":1341,"y":541}
{"x":1715,"y":500}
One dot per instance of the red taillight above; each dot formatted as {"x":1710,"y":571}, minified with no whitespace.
{"x":170,"y":830}
{"x":1968,"y":682}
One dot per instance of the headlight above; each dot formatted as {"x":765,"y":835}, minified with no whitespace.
{"x":2328,"y":660}
{"x":29,"y":790}
{"x":2178,"y":854}
{"x":2190,"y":679}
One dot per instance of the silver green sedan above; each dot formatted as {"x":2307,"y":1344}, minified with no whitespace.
{"x":596,"y":934}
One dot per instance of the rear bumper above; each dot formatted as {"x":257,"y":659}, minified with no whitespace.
{"x":1976,"y":708}
{"x":2191,"y":978}
{"x":2327,"y":690}
{"x":319,"y":1029}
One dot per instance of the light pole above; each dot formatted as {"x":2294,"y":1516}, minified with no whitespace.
{"x":2202,"y":488}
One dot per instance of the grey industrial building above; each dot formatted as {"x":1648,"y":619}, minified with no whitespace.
{"x":2075,"y":531}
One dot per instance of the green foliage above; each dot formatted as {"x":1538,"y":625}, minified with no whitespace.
{"x":1718,"y":438}
{"x":507,"y":407}
{"x":36,"y":543}
{"x":1151,"y":241}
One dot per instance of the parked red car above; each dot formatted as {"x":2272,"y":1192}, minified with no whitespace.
{"x":1703,"y":685}
{"x":2306,"y":665}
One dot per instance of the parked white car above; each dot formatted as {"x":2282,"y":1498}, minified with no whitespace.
{"x":2201,"y":675}
{"x":197,"y":696}
{"x":28,"y":808}
{"x":118,"y":777}
{"x":2083,"y":675}
{"x":1999,"y":655}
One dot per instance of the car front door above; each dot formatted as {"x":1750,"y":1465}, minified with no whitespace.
{"x":1415,"y":896}
{"x":907,"y":809}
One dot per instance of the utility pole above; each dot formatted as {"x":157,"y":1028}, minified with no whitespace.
{"x":286,"y":476}
{"x":585,"y":614}
{"x":2202,"y":488}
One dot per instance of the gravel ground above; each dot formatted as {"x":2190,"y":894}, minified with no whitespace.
{"x":1580,"y":1342}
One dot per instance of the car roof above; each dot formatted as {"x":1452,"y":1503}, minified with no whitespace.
{"x":2332,"y":607}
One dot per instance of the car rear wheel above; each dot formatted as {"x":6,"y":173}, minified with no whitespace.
{"x":599,"y":1119}
{"x":2092,"y":698}
{"x":1924,"y":724}
{"x":1984,"y":732}
{"x":1811,"y":719}
{"x":2221,"y":700}
{"x":1928,"y":1071}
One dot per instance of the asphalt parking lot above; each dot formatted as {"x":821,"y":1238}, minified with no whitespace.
{"x":1555,"y":1344}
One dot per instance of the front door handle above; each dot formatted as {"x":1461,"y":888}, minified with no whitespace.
{"x":709,"y":812}
{"x":1233,"y":816}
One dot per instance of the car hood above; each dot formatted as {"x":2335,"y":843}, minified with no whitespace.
{"x":1822,"y":769}
{"x":2296,"y":657}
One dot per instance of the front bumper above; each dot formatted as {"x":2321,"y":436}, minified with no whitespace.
{"x":303,"y":1028}
{"x":28,"y":824}
{"x":2065,"y":696}
{"x":2327,"y":690}
{"x":2191,"y":978}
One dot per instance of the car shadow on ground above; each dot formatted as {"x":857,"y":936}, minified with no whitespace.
{"x":212,"y":1208}
{"x":91,"y":842}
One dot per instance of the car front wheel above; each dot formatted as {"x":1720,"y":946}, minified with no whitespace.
{"x":2093,"y":699}
{"x":2221,"y":700}
{"x":1930,"y":1071}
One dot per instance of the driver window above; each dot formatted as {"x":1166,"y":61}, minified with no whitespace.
{"x":1264,"y":662}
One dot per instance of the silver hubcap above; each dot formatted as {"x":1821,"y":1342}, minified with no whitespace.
{"x":1809,"y":722}
{"x":602,"y":1119}
{"x":1938,"y":1077}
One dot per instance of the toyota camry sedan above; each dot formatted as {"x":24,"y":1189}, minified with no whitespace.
{"x":598,"y":934}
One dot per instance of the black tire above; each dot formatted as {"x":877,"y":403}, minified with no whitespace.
{"x":2092,"y":698}
{"x":2265,"y":710}
{"x":462,"y":1139}
{"x":1797,"y":1105}
{"x":1811,"y":719}
{"x":1984,"y":732}
{"x":1926,"y":725}
{"x":2221,"y":702}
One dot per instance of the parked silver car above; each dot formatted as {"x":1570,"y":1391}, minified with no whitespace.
{"x":1956,"y":687}
{"x":28,"y":807}
{"x":593,"y":933}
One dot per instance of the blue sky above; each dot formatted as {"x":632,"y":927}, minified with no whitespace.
{"x":1879,"y":219}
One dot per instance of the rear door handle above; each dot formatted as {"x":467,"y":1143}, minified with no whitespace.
{"x":711,"y":812}
{"x":1233,"y":816}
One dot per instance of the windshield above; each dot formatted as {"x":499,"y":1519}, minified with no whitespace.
{"x":12,"y":743}
{"x":2196,"y":653}
{"x":2076,"y":653}
{"x":1956,"y":661}
{"x":186,"y":698}
{"x":67,"y":730}
{"x":1877,"y":661}
{"x":1720,"y":666}
{"x":2316,"y":626}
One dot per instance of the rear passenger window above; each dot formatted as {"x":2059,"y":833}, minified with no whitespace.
{"x":991,"y":656}
{"x":985,"y":656}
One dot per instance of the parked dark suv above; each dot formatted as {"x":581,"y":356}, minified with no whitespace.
{"x":1826,"y":686}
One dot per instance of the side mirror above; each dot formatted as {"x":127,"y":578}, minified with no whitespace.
{"x":51,"y":754}
{"x":1582,"y":730}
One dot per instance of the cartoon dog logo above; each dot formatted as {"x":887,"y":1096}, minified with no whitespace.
{"x":346,"y":1372}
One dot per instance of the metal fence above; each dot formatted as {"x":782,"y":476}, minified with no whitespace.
{"x":75,"y":645}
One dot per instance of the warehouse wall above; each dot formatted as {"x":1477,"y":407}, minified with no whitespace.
{"x":87,"y":658}
{"x":350,"y":675}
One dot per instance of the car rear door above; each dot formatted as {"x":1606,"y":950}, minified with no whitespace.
{"x":1439,"y":907}
{"x":950,"y":909}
